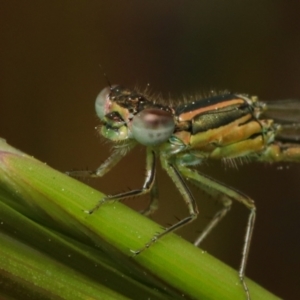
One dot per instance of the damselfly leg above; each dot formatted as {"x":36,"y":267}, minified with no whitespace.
{"x":226,"y":195}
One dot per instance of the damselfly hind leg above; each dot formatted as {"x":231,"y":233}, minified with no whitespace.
{"x":217,"y":189}
{"x":177,"y":173}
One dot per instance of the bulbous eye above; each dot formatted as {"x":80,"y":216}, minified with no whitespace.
{"x":102,"y":102}
{"x":152,"y":126}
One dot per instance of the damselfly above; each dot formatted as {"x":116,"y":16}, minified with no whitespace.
{"x":222,"y":126}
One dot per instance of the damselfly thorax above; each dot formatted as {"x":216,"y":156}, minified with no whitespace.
{"x":223,"y":126}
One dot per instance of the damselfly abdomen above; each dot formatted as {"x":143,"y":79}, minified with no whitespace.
{"x":223,"y":126}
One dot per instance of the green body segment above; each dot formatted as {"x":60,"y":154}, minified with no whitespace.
{"x":229,"y":128}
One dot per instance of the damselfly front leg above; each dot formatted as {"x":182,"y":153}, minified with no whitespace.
{"x":149,"y":181}
{"x":118,"y":153}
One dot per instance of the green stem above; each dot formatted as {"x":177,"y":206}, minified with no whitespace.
{"x":54,"y":204}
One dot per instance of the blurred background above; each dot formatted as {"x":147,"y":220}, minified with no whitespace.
{"x":49,"y":77}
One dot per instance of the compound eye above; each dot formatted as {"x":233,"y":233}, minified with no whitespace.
{"x":152,"y":126}
{"x":102,"y":102}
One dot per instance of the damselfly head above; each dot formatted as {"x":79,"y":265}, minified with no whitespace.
{"x":128,"y":114}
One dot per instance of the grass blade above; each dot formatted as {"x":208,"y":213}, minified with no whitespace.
{"x":170,"y":269}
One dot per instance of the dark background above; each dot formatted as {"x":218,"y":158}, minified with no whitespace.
{"x":50,"y":53}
